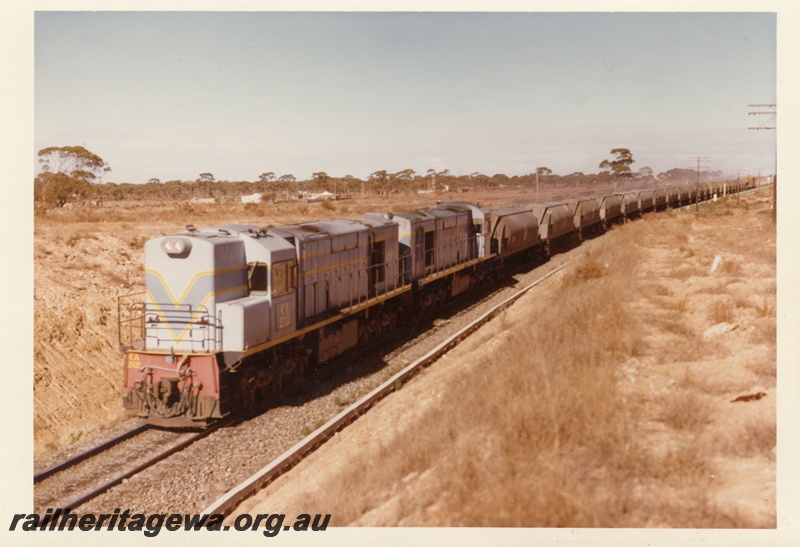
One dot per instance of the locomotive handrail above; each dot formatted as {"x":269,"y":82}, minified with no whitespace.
{"x":135,"y":313}
{"x":161,"y":318}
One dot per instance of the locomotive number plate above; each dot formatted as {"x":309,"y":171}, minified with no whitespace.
{"x":284,"y":317}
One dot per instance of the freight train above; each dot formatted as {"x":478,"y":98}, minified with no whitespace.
{"x":233,"y":315}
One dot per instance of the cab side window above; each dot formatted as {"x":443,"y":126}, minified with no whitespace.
{"x":257,"y":277}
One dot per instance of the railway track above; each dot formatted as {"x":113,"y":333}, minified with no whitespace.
{"x":230,"y":500}
{"x":73,"y":482}
{"x":74,"y":460}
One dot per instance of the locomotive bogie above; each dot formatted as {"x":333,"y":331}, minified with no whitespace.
{"x":336,"y":339}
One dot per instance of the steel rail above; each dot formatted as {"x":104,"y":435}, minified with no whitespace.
{"x":102,"y":447}
{"x":227,"y":502}
{"x":141,"y":467}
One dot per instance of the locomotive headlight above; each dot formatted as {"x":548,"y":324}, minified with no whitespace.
{"x":176,"y":246}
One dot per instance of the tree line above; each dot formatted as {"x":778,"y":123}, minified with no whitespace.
{"x":72,"y":174}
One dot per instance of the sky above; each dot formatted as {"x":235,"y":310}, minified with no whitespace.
{"x":170,"y":95}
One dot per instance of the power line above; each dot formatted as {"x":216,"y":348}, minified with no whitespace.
{"x":702,"y":161}
{"x":770,"y":123}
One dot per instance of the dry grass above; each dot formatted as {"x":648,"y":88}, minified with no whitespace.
{"x":721,"y":311}
{"x":756,"y":436}
{"x":686,"y":410}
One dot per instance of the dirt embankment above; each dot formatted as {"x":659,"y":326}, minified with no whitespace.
{"x":636,"y":390}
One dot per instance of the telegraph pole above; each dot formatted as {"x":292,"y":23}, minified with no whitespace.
{"x":702,"y":161}
{"x":738,"y":184}
{"x":769,"y":124}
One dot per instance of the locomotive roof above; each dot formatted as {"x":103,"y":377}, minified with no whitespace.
{"x":413,"y":215}
{"x":218,"y":235}
{"x":376,"y":219}
{"x":216,"y":231}
{"x":478,"y":210}
{"x":308,"y":230}
{"x":444,"y":212}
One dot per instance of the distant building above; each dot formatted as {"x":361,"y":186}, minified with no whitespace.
{"x":322,"y":196}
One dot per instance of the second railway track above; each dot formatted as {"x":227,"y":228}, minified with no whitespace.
{"x":73,"y":482}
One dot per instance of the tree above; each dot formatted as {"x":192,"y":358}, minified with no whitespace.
{"x":646,"y":172}
{"x":67,"y":171}
{"x":442,"y":178}
{"x":58,"y":188}
{"x":678,"y":174}
{"x":380,"y":176}
{"x":208,"y":178}
{"x":269,"y":176}
{"x":544,"y":171}
{"x":287,"y":179}
{"x":431,"y":177}
{"x":73,"y":161}
{"x":154,"y":181}
{"x":321,"y":178}
{"x":620,"y":165}
{"x":499,"y":179}
{"x":402,"y":179}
